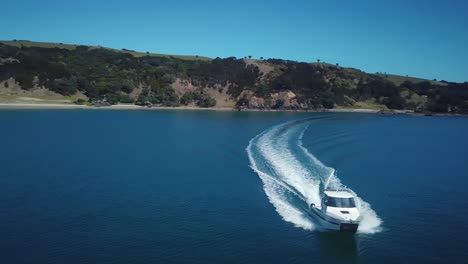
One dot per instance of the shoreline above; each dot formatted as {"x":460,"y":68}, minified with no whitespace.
{"x":4,"y":106}
{"x":33,"y":106}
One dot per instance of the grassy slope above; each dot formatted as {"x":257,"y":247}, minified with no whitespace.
{"x":27,"y":43}
{"x":398,"y":79}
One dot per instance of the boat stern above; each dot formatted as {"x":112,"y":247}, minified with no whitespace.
{"x":349,"y":227}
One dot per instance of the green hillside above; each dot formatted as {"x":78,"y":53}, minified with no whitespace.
{"x":95,"y":74}
{"x":397,"y":79}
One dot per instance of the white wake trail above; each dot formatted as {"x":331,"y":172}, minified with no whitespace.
{"x":293,"y":178}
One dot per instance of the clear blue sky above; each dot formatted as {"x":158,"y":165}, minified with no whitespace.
{"x":418,"y":38}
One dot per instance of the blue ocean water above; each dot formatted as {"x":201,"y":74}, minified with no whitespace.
{"x":208,"y":187}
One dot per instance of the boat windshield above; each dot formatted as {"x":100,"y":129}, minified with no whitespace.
{"x":340,"y":202}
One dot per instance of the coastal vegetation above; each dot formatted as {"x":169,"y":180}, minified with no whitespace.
{"x":126,"y":76}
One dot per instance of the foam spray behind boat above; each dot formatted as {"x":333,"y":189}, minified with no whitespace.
{"x":293,"y":178}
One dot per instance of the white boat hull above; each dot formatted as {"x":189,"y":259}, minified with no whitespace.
{"x":332,"y":223}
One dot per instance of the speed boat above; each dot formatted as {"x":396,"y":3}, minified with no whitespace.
{"x":337,"y":211}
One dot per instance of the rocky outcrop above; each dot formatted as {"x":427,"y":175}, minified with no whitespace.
{"x":281,"y":100}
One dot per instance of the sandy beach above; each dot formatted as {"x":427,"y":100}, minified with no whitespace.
{"x":137,"y":107}
{"x":112,"y":107}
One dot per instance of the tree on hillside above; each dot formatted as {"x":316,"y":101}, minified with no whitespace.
{"x":250,"y":56}
{"x":189,"y":97}
{"x":206,"y":101}
{"x":64,"y":86}
{"x":318,"y":60}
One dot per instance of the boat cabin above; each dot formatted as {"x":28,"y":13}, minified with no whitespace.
{"x":338,"y":199}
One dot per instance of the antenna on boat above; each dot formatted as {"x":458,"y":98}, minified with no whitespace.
{"x":329,"y":178}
